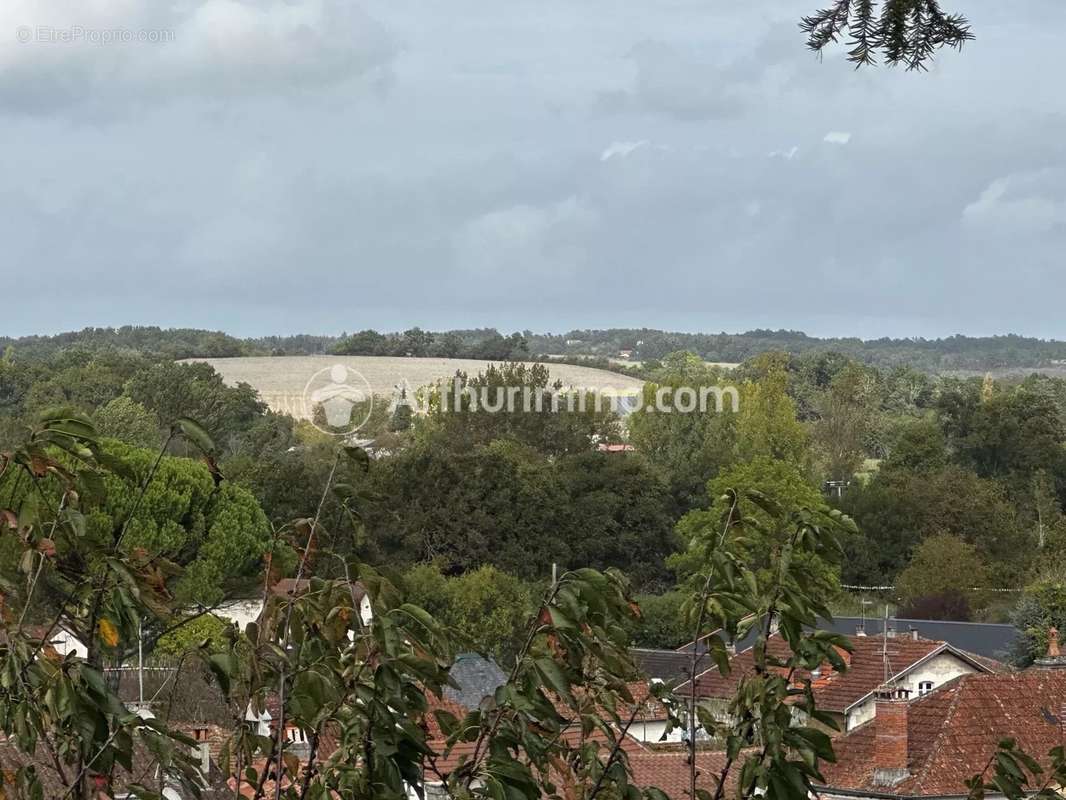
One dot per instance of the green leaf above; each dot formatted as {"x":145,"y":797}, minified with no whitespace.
{"x":554,"y":677}
{"x":192,"y":431}
{"x":222,"y":666}
{"x":447,"y":721}
{"x":358,"y":456}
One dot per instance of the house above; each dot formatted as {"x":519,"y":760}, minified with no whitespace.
{"x":930,"y":746}
{"x":241,"y":612}
{"x":60,"y":642}
{"x":603,"y":447}
{"x":291,"y":587}
{"x":651,"y":723}
{"x":144,"y":769}
{"x":908,"y":665}
{"x":660,"y":666}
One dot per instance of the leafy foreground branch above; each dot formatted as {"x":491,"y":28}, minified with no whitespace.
{"x":355,"y":692}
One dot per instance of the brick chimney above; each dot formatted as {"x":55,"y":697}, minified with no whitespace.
{"x":1054,"y":658}
{"x":890,"y":740}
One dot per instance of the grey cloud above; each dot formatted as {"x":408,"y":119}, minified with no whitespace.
{"x":269,"y":188}
{"x":541,"y":243}
{"x":1022,"y":203}
{"x":677,"y":84}
{"x":205,"y":49}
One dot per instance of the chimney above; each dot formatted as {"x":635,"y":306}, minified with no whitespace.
{"x":205,"y":759}
{"x":860,"y":630}
{"x":914,"y":633}
{"x":1054,"y":658}
{"x":890,"y":632}
{"x":890,"y":740}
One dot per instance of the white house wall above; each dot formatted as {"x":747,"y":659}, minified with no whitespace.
{"x":652,"y":731}
{"x":938,"y":670}
{"x":241,"y":612}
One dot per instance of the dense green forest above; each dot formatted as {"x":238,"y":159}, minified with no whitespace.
{"x":957,"y":485}
{"x":639,"y":344}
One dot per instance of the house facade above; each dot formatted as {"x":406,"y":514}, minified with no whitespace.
{"x":908,"y":665}
{"x":931,"y":745}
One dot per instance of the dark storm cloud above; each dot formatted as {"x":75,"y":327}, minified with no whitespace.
{"x":320,"y":165}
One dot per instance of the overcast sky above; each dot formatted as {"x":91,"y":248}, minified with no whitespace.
{"x":279,"y":166}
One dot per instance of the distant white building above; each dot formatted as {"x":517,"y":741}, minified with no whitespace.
{"x":241,"y":612}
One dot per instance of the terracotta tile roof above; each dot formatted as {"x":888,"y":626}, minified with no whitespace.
{"x":434,"y":703}
{"x":990,"y":664}
{"x":834,"y":691}
{"x":144,"y":763}
{"x":669,"y":771}
{"x":711,"y":683}
{"x":248,"y":790}
{"x":954,"y":730}
{"x":12,"y":759}
{"x":444,"y":765}
{"x":649,"y":706}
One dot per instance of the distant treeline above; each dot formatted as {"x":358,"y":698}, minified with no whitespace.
{"x":643,"y":344}
{"x":932,"y":355}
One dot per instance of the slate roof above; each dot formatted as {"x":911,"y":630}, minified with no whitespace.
{"x":668,"y":666}
{"x":984,"y":639}
{"x":953,"y":731}
{"x":836,"y":691}
{"x":188,"y":695}
{"x":478,"y":677}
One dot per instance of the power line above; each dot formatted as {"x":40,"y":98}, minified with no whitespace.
{"x":856,"y":587}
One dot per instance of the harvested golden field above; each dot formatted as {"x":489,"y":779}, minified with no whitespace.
{"x":282,"y":380}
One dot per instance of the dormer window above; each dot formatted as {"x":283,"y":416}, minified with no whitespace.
{"x":924,"y":688}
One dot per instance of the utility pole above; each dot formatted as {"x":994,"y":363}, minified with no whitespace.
{"x":863,"y":602}
{"x":884,"y":646}
{"x":140,"y":663}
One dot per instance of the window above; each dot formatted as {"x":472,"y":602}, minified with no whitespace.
{"x":295,"y":735}
{"x":925,"y":687}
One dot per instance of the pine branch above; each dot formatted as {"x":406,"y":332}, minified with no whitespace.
{"x":904,"y":32}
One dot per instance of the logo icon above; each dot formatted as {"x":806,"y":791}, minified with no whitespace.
{"x":339,"y":400}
